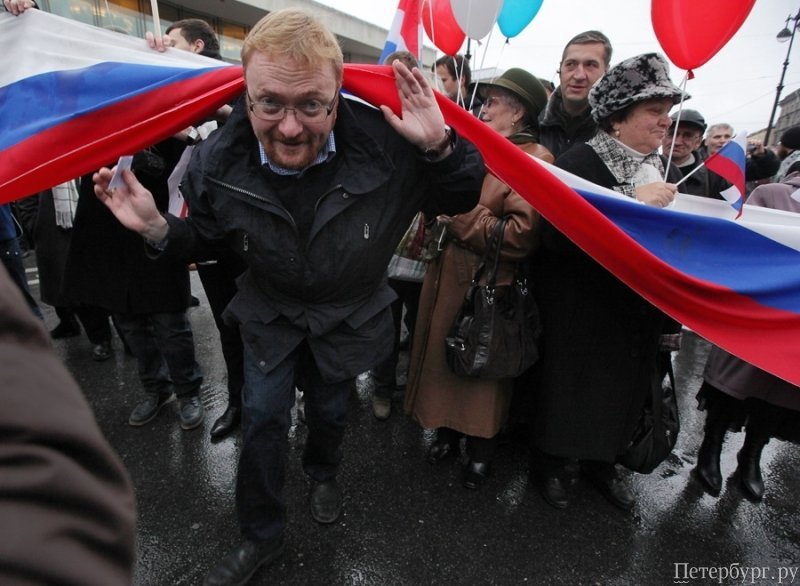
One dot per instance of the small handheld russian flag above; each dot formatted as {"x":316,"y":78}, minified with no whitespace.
{"x":406,"y":31}
{"x":729,"y":163}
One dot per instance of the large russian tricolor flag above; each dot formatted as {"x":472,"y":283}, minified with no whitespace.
{"x":405,"y":33}
{"x":73,"y":97}
{"x":737,"y":283}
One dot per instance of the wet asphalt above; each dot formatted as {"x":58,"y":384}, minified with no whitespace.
{"x":407,"y":523}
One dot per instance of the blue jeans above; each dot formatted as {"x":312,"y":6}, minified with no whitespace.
{"x":164,"y":349}
{"x":267,"y":400}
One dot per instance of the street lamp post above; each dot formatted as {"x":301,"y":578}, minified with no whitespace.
{"x":786,"y":34}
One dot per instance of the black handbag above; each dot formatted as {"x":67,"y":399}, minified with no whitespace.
{"x":657,"y":430}
{"x":496,"y":332}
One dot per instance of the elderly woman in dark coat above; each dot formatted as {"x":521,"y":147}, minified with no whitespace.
{"x":455,"y":405}
{"x":600,"y":338}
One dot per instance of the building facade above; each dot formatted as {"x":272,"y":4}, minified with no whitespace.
{"x":361,"y":42}
{"x":789,"y":116}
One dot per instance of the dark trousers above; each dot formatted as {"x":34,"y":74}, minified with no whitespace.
{"x":95,"y":323}
{"x":385,"y":374}
{"x":267,"y":400}
{"x":163,"y":346}
{"x":11,"y":253}
{"x":219,"y":283}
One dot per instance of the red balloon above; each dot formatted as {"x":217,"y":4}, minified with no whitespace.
{"x":441,"y":27}
{"x":692,"y":31}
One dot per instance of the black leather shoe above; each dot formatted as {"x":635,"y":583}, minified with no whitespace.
{"x":66,"y":329}
{"x":440,"y":451}
{"x":613,"y":487}
{"x":227,"y":422}
{"x":474,"y":474}
{"x":239,"y":565}
{"x":326,"y":501}
{"x":554,"y":492}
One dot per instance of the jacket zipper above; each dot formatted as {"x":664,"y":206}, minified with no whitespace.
{"x":326,"y":194}
{"x":256,"y":197}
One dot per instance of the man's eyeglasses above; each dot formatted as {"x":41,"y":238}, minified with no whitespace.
{"x":306,"y":113}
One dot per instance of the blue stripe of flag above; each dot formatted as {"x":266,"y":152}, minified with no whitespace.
{"x":33,"y":100}
{"x":703,"y":247}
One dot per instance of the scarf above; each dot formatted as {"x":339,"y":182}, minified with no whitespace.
{"x":65,"y":201}
{"x":630,"y":171}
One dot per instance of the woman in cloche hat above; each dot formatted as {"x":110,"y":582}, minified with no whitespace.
{"x":459,"y":406}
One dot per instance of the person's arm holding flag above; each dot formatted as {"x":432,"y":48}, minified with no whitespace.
{"x":17,"y":7}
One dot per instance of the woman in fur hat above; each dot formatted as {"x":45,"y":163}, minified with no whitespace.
{"x":600,"y":347}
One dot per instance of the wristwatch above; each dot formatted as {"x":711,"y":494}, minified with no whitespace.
{"x":435,"y":153}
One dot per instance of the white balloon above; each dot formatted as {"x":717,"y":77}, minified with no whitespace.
{"x":476,"y":17}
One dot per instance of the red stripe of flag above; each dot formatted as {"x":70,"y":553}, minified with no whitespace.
{"x":98,"y":138}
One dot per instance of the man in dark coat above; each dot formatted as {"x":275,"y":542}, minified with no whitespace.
{"x":50,"y":231}
{"x":685,"y":156}
{"x":314,"y":191}
{"x":688,"y":154}
{"x":217,"y":275}
{"x":108,"y":268}
{"x":568,"y":118}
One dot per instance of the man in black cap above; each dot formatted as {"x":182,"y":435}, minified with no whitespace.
{"x":684,"y":144}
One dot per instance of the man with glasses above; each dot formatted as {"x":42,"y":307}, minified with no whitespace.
{"x":314,"y":191}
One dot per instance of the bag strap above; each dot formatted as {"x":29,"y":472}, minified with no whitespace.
{"x":491,"y":256}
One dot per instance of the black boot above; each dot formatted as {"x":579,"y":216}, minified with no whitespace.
{"x":708,"y":457}
{"x":749,"y":458}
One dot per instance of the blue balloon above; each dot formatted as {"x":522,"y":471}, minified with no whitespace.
{"x":516,"y":15}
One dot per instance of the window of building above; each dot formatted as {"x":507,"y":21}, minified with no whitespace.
{"x":134,"y":17}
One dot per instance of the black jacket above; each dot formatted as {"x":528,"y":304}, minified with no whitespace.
{"x":558,"y":131}
{"x":107,"y":265}
{"x":706,"y":183}
{"x":321,"y":278}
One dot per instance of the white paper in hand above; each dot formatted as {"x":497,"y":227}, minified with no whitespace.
{"x":116,"y":179}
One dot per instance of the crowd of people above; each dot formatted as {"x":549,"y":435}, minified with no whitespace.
{"x":316,"y":222}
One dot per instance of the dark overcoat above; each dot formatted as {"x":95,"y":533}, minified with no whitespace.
{"x":38,"y":215}
{"x":108,"y":266}
{"x":599,"y":344}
